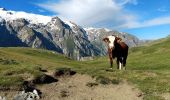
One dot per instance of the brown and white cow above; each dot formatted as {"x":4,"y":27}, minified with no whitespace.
{"x":117,"y":49}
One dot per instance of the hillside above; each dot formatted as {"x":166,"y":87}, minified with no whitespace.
{"x":147,"y":68}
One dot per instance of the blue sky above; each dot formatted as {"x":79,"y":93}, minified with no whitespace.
{"x":147,"y":19}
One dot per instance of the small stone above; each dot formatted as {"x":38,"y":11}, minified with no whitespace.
{"x":19,"y":97}
{"x":22,"y":92}
{"x":35,"y":92}
{"x":2,"y":98}
{"x":139,"y":94}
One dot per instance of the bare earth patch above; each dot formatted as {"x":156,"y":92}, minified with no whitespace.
{"x":76,"y":88}
{"x":82,"y":87}
{"x":166,"y":96}
{"x":9,"y":94}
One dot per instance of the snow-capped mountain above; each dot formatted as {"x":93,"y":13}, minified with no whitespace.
{"x":32,"y":18}
{"x":66,"y":37}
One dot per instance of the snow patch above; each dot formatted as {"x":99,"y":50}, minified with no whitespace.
{"x":32,"y":18}
{"x":90,"y":28}
{"x":107,"y":30}
{"x":71,"y":24}
{"x":95,"y":29}
{"x":1,"y":19}
{"x":3,"y":9}
{"x":123,"y":33}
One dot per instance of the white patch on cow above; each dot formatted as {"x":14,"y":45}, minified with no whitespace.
{"x":111,"y":39}
{"x":120,"y":66}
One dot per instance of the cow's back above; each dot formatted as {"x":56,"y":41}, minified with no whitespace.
{"x":120,"y":50}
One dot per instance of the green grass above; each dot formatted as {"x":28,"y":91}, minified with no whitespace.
{"x":148,"y":67}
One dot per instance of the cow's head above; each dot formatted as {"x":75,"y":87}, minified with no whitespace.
{"x":117,"y":39}
{"x":111,"y":40}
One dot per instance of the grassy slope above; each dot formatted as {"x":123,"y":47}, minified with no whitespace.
{"x":148,"y":67}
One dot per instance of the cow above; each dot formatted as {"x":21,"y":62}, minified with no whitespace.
{"x":117,"y":49}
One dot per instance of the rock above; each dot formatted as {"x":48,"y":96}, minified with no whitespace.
{"x":35,"y":92}
{"x":34,"y":95}
{"x":2,"y":98}
{"x":27,"y":95}
{"x":20,"y":97}
{"x":44,"y":79}
{"x":28,"y":86}
{"x":139,"y":94}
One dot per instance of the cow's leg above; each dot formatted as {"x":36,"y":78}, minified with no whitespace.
{"x":110,"y":57}
{"x":124,"y":58}
{"x":120,"y":63}
{"x":118,"y":60}
{"x":124,"y":63}
{"x":111,"y":62}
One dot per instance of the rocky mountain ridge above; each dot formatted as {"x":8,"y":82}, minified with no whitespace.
{"x":54,"y":34}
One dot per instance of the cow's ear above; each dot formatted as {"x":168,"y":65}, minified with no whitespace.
{"x":106,"y":39}
{"x":118,"y":39}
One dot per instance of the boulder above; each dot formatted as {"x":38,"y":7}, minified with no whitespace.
{"x":27,"y":95}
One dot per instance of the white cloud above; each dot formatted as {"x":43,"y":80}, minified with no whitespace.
{"x":95,"y":13}
{"x":100,"y":13}
{"x":157,"y":21}
{"x":148,"y":23}
{"x":123,"y":2}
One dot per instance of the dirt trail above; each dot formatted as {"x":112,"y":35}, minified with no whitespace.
{"x":75,"y":88}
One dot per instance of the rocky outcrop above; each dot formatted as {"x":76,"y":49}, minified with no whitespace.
{"x":27,"y":95}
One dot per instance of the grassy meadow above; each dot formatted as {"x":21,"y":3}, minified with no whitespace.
{"x":148,"y":67}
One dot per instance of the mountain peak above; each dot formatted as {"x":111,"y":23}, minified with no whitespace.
{"x":32,"y":18}
{"x":55,"y":18}
{"x":3,"y":9}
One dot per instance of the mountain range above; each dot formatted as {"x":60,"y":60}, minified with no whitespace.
{"x":21,"y":29}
